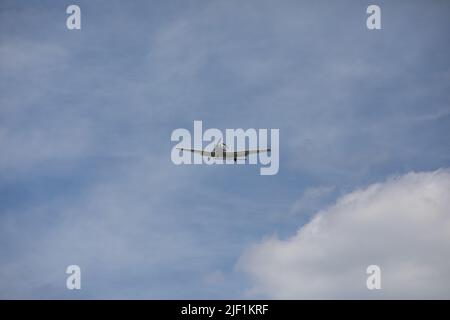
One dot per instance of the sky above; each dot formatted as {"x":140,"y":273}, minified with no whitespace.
{"x":86,"y":176}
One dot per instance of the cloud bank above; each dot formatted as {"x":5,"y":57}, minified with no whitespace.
{"x":402,"y":225}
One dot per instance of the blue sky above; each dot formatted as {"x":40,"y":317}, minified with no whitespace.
{"x":86,"y":118}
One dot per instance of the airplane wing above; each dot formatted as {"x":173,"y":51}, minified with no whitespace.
{"x":202,"y":152}
{"x":245,"y":153}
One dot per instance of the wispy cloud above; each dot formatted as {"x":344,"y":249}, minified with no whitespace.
{"x":86,"y":118}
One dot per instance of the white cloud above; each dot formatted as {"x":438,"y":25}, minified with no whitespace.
{"x":402,"y":225}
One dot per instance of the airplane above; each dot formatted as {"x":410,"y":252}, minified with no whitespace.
{"x":220,"y":152}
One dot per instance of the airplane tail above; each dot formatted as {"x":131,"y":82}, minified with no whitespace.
{"x":218,"y":143}
{"x":220,"y":147}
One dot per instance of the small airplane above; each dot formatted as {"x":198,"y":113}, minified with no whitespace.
{"x":220,"y":152}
